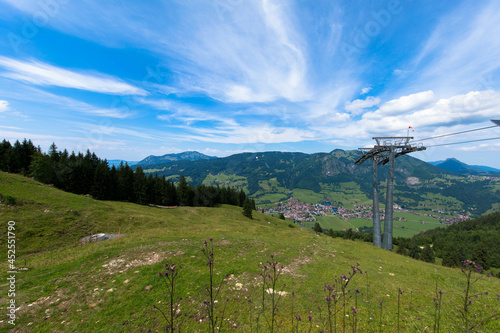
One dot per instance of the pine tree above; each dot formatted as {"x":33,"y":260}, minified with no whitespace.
{"x":5,"y":155}
{"x":241,"y":198}
{"x":453,"y":256}
{"x":481,"y":256}
{"x":184,"y":192}
{"x":41,"y":169}
{"x":413,"y":249}
{"x":247,"y":208}
{"x":140,"y":186}
{"x":427,"y":254}
{"x":402,"y":249}
{"x":101,"y":183}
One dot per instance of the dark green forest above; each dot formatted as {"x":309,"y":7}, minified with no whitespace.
{"x":477,"y":240}
{"x":88,"y":174}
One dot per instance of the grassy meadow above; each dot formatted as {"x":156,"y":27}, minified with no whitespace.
{"x":63,"y":285}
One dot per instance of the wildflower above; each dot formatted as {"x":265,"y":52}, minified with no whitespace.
{"x":298,"y":318}
{"x":310,"y":317}
{"x":354,"y":310}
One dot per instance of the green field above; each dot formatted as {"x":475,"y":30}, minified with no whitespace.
{"x":223,"y":179}
{"x":270,"y":193}
{"x":347,"y":194}
{"x":408,"y":228}
{"x":112,"y":286}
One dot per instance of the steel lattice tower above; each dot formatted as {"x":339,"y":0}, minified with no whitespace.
{"x":386,"y":150}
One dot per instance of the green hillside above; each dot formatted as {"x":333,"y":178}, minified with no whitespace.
{"x":111,"y":286}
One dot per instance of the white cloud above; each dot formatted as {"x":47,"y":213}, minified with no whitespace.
{"x":185,"y":113}
{"x":467,"y":109}
{"x":4,"y":106}
{"x":244,"y":52}
{"x":482,"y":147}
{"x":39,"y":73}
{"x":250,"y":135}
{"x":406,"y":103}
{"x":366,"y":90}
{"x":357,"y":106}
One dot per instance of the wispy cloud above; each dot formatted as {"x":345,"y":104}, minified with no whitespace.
{"x":463,"y":48}
{"x":357,"y":106}
{"x":184,"y":113}
{"x":4,"y":106}
{"x":466,"y":109}
{"x":250,"y":53}
{"x":39,"y":73}
{"x":250,"y":135}
{"x":43,"y":99}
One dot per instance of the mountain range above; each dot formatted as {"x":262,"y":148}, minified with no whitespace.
{"x":272,"y":176}
{"x":185,"y":156}
{"x":454,"y":165}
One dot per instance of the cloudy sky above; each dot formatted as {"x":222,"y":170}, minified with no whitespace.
{"x":128,"y":79}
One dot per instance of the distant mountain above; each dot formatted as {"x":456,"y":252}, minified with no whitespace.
{"x":185,"y":156}
{"x":116,"y":163}
{"x":486,"y":168}
{"x":455,"y":166}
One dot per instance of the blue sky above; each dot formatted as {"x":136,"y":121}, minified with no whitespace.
{"x":127,"y":79}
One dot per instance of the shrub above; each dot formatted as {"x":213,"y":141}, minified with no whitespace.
{"x":11,"y":201}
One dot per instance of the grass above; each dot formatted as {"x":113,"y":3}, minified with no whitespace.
{"x":412,"y":226}
{"x":307,"y":196}
{"x":111,"y":286}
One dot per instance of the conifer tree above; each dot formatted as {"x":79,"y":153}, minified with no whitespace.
{"x":427,"y":254}
{"x":241,"y":198}
{"x":5,"y":155}
{"x":101,"y":183}
{"x":481,"y":256}
{"x":402,"y":249}
{"x":184,"y":192}
{"x":41,"y":169}
{"x":413,"y":249}
{"x":140,"y":186}
{"x":247,"y":208}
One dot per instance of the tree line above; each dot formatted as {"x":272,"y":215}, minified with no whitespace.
{"x":87,"y":174}
{"x":477,"y":240}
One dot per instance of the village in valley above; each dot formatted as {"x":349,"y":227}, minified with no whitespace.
{"x":298,"y":211}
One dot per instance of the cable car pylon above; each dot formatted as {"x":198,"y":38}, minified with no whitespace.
{"x":385,"y":151}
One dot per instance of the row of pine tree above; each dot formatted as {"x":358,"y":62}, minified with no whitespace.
{"x":88,"y":174}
